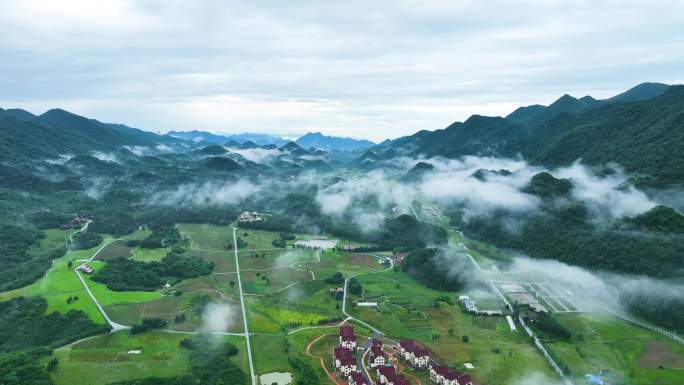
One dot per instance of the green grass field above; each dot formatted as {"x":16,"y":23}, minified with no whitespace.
{"x":257,"y":239}
{"x":633,"y":355}
{"x":105,"y":359}
{"x":272,"y":281}
{"x":224,"y":261}
{"x":346,"y":263}
{"x":304,"y":303}
{"x":117,"y":249}
{"x":207,"y":237}
{"x":274,"y":258}
{"x":148,"y":255}
{"x":269,"y":354}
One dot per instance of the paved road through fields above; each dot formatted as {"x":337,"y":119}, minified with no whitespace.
{"x":244,"y":312}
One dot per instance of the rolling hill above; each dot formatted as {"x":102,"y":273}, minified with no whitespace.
{"x":58,"y":132}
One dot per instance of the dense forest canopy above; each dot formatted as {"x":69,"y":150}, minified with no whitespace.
{"x":129,"y":275}
{"x":19,"y":264}
{"x":567,"y":233}
{"x":434,"y":270}
{"x":24,"y":325}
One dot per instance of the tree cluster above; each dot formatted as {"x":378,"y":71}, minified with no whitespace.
{"x":426,"y":267}
{"x":131,"y":275}
{"x":24,"y":325}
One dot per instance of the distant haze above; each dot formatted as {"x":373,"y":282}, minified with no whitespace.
{"x":367,"y":70}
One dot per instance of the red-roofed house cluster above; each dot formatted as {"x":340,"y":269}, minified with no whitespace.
{"x":344,"y":360}
{"x":377,"y":355}
{"x":357,"y":379}
{"x":387,"y":375}
{"x":442,"y":375}
{"x":345,"y":363}
{"x":415,"y":354}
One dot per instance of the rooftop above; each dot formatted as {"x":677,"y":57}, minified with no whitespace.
{"x":413,"y":347}
{"x":446,"y":372}
{"x":358,"y":378}
{"x":347,"y":331}
{"x":344,"y":356}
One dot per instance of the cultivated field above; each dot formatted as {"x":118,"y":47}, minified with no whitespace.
{"x":105,"y":359}
{"x":408,"y":310}
{"x":631,"y":354}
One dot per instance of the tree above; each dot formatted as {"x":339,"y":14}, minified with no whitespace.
{"x":52,"y":364}
{"x":335,"y":279}
{"x":355,"y":287}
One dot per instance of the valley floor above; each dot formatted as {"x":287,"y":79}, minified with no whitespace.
{"x":290,"y":312}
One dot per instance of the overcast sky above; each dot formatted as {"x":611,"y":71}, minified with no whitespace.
{"x":372,"y":69}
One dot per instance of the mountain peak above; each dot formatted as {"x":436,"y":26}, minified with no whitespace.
{"x":640,"y":92}
{"x":290,"y":146}
{"x":58,"y":115}
{"x":565,"y":99}
{"x":18,"y":113}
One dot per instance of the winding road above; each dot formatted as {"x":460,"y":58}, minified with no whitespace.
{"x":115,"y":326}
{"x":344,"y":299}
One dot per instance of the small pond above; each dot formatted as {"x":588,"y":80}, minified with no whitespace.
{"x":280,"y":378}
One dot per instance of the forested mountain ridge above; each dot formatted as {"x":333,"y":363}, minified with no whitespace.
{"x":538,"y":114}
{"x":645,"y":136}
{"x":58,"y":132}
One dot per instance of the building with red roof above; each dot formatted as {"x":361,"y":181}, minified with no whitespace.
{"x":387,"y":375}
{"x":347,"y":337}
{"x":377,"y":355}
{"x":443,"y":375}
{"x":344,"y":361}
{"x":355,"y":378}
{"x":415,"y":354}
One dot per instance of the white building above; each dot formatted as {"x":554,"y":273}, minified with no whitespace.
{"x":416,"y":355}
{"x":344,"y":361}
{"x":377,"y":355}
{"x":442,"y":375}
{"x":347,"y":337}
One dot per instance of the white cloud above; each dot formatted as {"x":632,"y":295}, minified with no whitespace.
{"x":609,"y":195}
{"x":258,"y":155}
{"x":376,"y":70}
{"x":138,"y":150}
{"x":105,"y":156}
{"x":210,"y":193}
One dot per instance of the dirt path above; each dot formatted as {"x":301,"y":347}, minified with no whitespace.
{"x":330,"y":375}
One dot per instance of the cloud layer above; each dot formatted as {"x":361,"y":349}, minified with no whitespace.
{"x":377,"y":70}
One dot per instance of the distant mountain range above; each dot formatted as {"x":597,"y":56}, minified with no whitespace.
{"x":329,"y":143}
{"x":208,"y":137}
{"x":641,"y":129}
{"x":311,"y":139}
